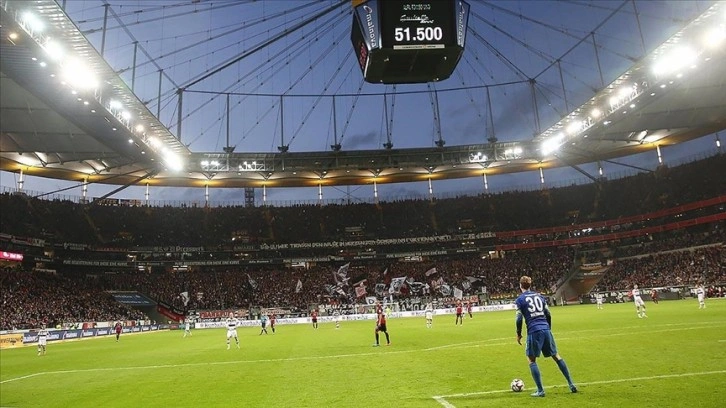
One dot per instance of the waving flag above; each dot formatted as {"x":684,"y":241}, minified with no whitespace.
{"x":298,"y":287}
{"x":185,"y":297}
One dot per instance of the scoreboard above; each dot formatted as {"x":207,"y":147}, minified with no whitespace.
{"x":417,"y":24}
{"x":409,"y":41}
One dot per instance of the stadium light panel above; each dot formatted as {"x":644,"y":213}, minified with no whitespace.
{"x":114,"y":104}
{"x":139,"y":128}
{"x":595,"y":113}
{"x":625,"y":91}
{"x":673,"y":61}
{"x":715,"y":36}
{"x":154,"y":142}
{"x":13,"y":36}
{"x":173,"y":161}
{"x":33,"y":22}
{"x":54,"y":50}
{"x":552,"y":144}
{"x":126,"y":115}
{"x":574,"y":127}
{"x":79,"y":75}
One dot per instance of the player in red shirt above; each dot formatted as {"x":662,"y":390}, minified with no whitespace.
{"x":654,"y":296}
{"x":379,"y":307}
{"x":117,"y":329}
{"x":381,"y":327}
{"x":314,"y":317}
{"x":272,"y":322}
{"x":459,"y":314}
{"x":468,"y":309}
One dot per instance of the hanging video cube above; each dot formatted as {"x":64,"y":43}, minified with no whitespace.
{"x":409,"y":41}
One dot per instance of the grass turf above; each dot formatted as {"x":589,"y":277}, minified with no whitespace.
{"x":675,"y":357}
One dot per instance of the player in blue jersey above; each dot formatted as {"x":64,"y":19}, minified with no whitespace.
{"x":532,"y":307}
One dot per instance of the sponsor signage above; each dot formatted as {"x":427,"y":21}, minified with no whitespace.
{"x":11,"y":256}
{"x":59,"y":335}
{"x":132,"y":298}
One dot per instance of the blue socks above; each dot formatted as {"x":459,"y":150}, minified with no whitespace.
{"x":563,"y":367}
{"x":536,"y":375}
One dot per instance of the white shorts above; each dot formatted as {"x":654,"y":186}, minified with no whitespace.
{"x":639,"y":301}
{"x":599,"y":301}
{"x":701,"y":298}
{"x":232,"y":333}
{"x":42,"y":341}
{"x":429,"y":316}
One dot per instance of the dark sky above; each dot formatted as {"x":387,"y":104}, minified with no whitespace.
{"x":507,"y":42}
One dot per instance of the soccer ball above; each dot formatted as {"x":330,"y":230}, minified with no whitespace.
{"x":517,"y":385}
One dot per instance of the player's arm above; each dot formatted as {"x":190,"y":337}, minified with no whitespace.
{"x":518,"y":323}
{"x":548,"y":315}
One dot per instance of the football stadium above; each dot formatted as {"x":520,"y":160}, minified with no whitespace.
{"x":362,"y":203}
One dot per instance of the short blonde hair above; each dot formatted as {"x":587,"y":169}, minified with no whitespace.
{"x":525,"y":282}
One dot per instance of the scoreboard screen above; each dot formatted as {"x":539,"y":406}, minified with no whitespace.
{"x":409,"y":41}
{"x":417,"y":24}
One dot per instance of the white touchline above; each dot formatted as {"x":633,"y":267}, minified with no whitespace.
{"x":441,"y":399}
{"x":482,"y":343}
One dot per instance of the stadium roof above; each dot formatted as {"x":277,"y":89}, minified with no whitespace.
{"x":51,"y":127}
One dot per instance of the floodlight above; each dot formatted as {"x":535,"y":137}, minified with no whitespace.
{"x":79,"y":75}
{"x":595,"y":113}
{"x":674,"y":60}
{"x":140,"y":128}
{"x":33,"y":22}
{"x":214,"y":163}
{"x":205,"y":163}
{"x":549,"y":146}
{"x":13,"y":36}
{"x":574,"y":127}
{"x":715,"y":36}
{"x":114,"y":104}
{"x":126,"y":115}
{"x":173,"y":161}
{"x":54,"y":50}
{"x":154,"y":142}
{"x":131,"y":141}
{"x":625,"y":91}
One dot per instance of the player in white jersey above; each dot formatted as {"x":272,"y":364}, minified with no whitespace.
{"x":701,"y":293}
{"x":429,"y":315}
{"x":639,"y":304}
{"x":42,"y":340}
{"x":188,"y":327}
{"x":232,"y":324}
{"x":598,"y":299}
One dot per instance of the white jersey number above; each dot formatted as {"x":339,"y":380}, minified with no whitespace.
{"x":534,"y":304}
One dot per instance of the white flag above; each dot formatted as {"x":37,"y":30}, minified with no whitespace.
{"x":458,"y":294}
{"x":298,"y":287}
{"x":430,"y":272}
{"x":185,"y":297}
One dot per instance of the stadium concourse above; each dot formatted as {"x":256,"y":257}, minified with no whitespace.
{"x":73,"y":254}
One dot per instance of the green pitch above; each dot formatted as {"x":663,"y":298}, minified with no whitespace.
{"x":676,"y":357}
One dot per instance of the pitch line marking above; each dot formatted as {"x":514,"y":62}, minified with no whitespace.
{"x":441,"y":399}
{"x":276,"y":360}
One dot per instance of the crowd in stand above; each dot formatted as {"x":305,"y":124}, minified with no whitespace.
{"x":37,"y":299}
{"x":686,"y":267}
{"x":126,"y":226}
{"x":30,"y":299}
